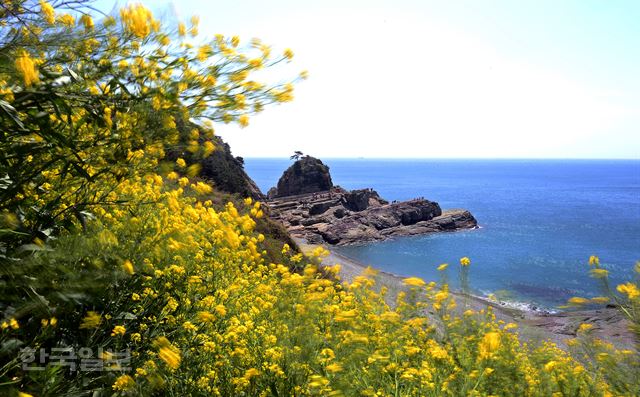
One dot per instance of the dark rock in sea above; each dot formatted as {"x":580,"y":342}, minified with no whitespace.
{"x":337,"y":216}
{"x":306,"y":175}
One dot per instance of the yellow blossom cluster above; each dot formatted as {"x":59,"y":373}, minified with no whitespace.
{"x":27,"y":67}
{"x":208,"y":303}
{"x":124,"y":67}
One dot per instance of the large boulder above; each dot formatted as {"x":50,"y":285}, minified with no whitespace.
{"x":307,"y":175}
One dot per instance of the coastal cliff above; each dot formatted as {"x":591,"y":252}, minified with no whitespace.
{"x":221,"y":168}
{"x":310,"y":207}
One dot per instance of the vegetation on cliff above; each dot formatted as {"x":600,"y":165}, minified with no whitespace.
{"x":121,"y":274}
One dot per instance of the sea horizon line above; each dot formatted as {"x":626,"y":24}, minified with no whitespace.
{"x":452,"y":158}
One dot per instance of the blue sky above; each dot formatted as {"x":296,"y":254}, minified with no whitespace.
{"x":434,"y":79}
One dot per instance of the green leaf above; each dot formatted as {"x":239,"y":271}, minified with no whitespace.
{"x":12,"y":113}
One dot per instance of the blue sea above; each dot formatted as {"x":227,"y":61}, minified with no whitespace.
{"x":540,"y":221}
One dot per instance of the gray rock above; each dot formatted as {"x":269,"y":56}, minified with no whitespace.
{"x":307,"y":175}
{"x":324,"y":215}
{"x":320,"y":208}
{"x":360,"y":200}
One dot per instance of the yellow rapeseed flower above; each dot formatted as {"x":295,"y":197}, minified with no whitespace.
{"x":333,"y":368}
{"x":167,"y":352}
{"x":510,"y":326}
{"x":550,"y":365}
{"x":221,"y":310}
{"x":123,"y":383}
{"x":170,"y":357}
{"x":576,"y":300}
{"x":48,"y":12}
{"x":250,"y":373}
{"x":188,"y":325}
{"x":87,"y":22}
{"x":206,"y":317}
{"x":208,"y":148}
{"x":489,"y":344}
{"x":585,"y":327}
{"x":141,"y":372}
{"x":414,"y":282}
{"x":91,"y":320}
{"x":285,"y":249}
{"x":600,"y":300}
{"x":599,"y":273}
{"x":201,"y":188}
{"x":137,"y":20}
{"x":127,"y":266}
{"x":435,"y":350}
{"x":67,"y":20}
{"x":27,"y":67}
{"x":443,"y":267}
{"x":629,"y":289}
{"x":255,"y":63}
{"x":464,"y":261}
{"x":194,"y":169}
{"x":118,"y":330}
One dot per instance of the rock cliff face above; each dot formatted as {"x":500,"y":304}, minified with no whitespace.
{"x":307,"y":175}
{"x":227,"y":172}
{"x":337,"y":216}
{"x":221,"y":167}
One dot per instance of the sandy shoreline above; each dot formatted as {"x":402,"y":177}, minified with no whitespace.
{"x":533,"y":325}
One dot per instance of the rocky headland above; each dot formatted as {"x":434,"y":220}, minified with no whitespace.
{"x":307,"y":203}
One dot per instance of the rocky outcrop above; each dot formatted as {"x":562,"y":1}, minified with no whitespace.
{"x":225,"y":171}
{"x":306,"y":175}
{"x":310,"y":207}
{"x":342,"y":217}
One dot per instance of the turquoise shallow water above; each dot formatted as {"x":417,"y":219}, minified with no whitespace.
{"x":541,"y":219}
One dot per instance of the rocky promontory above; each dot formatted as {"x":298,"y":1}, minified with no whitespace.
{"x":310,"y":207}
{"x":307,"y":175}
